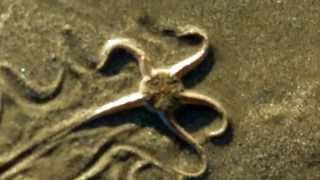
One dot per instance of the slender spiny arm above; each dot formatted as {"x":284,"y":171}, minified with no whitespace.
{"x":172,"y":124}
{"x":186,"y":65}
{"x":125,"y":103}
{"x":131,"y":47}
{"x":197,"y":99}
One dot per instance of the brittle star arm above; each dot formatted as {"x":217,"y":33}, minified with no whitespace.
{"x":171,"y":122}
{"x":186,"y":65}
{"x":131,"y":101}
{"x":131,"y":47}
{"x":189,"y":97}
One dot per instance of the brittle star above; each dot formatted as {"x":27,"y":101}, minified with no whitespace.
{"x":162,"y":90}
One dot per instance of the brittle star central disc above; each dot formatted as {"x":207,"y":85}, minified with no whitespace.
{"x":162,"y":91}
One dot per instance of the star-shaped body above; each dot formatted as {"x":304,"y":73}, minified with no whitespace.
{"x":162,"y":91}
